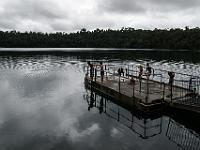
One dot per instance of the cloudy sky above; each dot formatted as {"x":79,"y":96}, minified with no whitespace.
{"x":72,"y":15}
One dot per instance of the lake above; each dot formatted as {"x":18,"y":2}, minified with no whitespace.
{"x":44,"y":103}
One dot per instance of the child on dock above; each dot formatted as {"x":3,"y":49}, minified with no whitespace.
{"x":120,"y":72}
{"x":171,"y":77}
{"x":101,"y":71}
{"x":149,"y":70}
{"x":140,"y":71}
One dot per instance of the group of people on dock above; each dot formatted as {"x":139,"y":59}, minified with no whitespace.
{"x":93,"y":72}
{"x":120,"y":71}
{"x":140,"y":67}
{"x":149,"y":71}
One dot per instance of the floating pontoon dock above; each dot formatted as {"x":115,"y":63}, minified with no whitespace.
{"x":144,"y":93}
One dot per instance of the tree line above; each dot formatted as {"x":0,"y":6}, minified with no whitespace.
{"x":99,"y":38}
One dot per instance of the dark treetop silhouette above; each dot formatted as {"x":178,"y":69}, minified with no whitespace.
{"x":123,"y":38}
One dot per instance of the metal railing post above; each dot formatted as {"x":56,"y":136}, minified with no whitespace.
{"x":171,"y":91}
{"x":119,"y":84}
{"x":147,"y":96}
{"x":128,"y":70}
{"x":161,"y":76}
{"x":163,"y":91}
{"x":133,"y":88}
{"x":140,"y":81}
{"x":114,"y":73}
{"x":95,"y":79}
{"x":87,"y":71}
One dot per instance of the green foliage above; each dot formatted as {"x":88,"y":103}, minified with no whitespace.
{"x":99,"y":38}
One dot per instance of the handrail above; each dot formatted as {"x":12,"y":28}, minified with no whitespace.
{"x":185,"y":84}
{"x":113,"y":65}
{"x":179,"y":73}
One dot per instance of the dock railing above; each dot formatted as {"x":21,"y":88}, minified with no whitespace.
{"x":187,"y":84}
{"x":141,"y":85}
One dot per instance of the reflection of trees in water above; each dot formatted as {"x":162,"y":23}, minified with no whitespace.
{"x":183,"y":137}
{"x":159,"y":55}
{"x":144,"y":127}
{"x":186,"y":56}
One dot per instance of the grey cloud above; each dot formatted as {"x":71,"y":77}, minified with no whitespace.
{"x":33,"y":9}
{"x":181,"y":4}
{"x":5,"y":23}
{"x":97,"y":21}
{"x":62,"y":25}
{"x":70,"y":16}
{"x":119,"y":6}
{"x":20,"y":13}
{"x":142,"y":6}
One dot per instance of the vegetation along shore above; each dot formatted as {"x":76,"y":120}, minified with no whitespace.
{"x":176,"y":38}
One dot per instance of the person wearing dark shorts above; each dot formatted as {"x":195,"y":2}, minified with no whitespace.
{"x":171,"y":77}
{"x":101,"y":71}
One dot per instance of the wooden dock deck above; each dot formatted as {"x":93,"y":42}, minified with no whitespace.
{"x":144,"y":94}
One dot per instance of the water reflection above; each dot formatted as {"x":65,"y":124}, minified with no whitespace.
{"x":144,"y":127}
{"x":42,"y":107}
{"x":37,"y":105}
{"x":183,"y":137}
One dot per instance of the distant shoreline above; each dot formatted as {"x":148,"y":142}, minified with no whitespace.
{"x":87,"y":49}
{"x":122,"y":39}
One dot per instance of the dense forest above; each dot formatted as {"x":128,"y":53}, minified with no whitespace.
{"x":123,"y":38}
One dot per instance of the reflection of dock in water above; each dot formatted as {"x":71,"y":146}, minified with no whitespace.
{"x":145,"y":127}
{"x":188,"y":103}
{"x":183,"y":137}
{"x":148,"y":126}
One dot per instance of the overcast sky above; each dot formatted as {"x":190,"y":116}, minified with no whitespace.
{"x":72,"y":15}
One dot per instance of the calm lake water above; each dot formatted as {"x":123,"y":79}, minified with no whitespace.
{"x":45,"y":105}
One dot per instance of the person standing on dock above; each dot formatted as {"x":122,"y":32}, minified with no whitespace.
{"x":122,"y":71}
{"x":171,"y":78}
{"x":126,"y":72}
{"x":149,"y":70}
{"x":119,"y":72}
{"x":171,"y":81}
{"x":140,"y":76}
{"x":140,"y":71}
{"x":101,"y":71}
